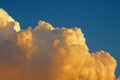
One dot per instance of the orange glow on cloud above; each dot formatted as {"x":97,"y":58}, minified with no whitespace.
{"x":49,"y":53}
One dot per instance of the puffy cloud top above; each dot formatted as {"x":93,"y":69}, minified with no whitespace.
{"x":7,"y":22}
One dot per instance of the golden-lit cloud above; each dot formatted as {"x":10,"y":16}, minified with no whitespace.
{"x":49,"y":53}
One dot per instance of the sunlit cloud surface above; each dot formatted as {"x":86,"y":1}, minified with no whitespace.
{"x":49,"y":53}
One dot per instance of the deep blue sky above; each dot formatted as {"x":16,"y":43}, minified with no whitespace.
{"x":99,"y":19}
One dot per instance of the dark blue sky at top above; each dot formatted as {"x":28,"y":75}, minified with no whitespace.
{"x":98,"y":19}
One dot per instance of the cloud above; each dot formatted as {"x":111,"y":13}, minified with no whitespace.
{"x":49,"y":53}
{"x":118,"y":78}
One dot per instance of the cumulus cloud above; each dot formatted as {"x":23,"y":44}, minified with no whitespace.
{"x":49,"y":53}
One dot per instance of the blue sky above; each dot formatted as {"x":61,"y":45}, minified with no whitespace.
{"x":98,"y":19}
